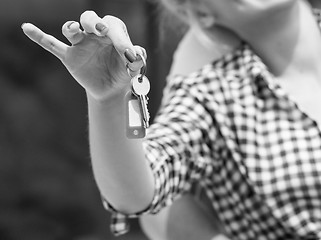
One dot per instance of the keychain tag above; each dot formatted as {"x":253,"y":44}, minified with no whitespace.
{"x":136,"y":100}
{"x":134,"y":120}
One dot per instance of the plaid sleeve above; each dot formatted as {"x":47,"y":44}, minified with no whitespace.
{"x":178,"y":142}
{"x":177,"y":148}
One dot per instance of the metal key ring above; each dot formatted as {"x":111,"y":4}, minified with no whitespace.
{"x":143,"y":68}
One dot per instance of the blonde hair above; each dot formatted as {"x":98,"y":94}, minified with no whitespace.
{"x":182,"y":11}
{"x":171,"y":18}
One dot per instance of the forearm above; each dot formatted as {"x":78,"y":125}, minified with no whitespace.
{"x":122,"y":174}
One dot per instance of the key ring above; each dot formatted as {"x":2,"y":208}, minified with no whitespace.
{"x":142,"y":70}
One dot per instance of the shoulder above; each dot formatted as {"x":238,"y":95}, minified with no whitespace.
{"x":237,"y":63}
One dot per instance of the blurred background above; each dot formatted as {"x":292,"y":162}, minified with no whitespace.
{"x":47,"y":190}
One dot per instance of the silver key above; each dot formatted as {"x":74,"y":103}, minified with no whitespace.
{"x":140,"y":87}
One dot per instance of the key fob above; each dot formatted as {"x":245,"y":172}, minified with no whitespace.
{"x":134,"y":121}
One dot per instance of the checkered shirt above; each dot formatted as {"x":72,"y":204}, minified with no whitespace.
{"x":232,"y":129}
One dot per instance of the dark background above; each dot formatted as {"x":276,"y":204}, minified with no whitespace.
{"x":47,"y":190}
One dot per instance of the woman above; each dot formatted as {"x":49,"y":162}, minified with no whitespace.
{"x":189,"y":216}
{"x":245,"y":127}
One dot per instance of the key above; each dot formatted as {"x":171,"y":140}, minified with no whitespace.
{"x":140,"y":88}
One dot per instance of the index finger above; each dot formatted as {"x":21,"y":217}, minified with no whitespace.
{"x":48,"y":42}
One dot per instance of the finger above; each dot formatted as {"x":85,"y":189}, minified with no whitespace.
{"x":88,"y":21}
{"x":71,"y":30}
{"x":139,"y":64}
{"x":46,"y":41}
{"x":116,"y":31}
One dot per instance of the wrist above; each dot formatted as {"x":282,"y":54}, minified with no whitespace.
{"x":110,"y":97}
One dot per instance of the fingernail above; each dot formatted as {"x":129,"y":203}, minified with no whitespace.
{"x":130,"y":55}
{"x":69,"y":25}
{"x":100,"y":27}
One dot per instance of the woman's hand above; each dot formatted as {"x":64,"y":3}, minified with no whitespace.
{"x":96,"y":56}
